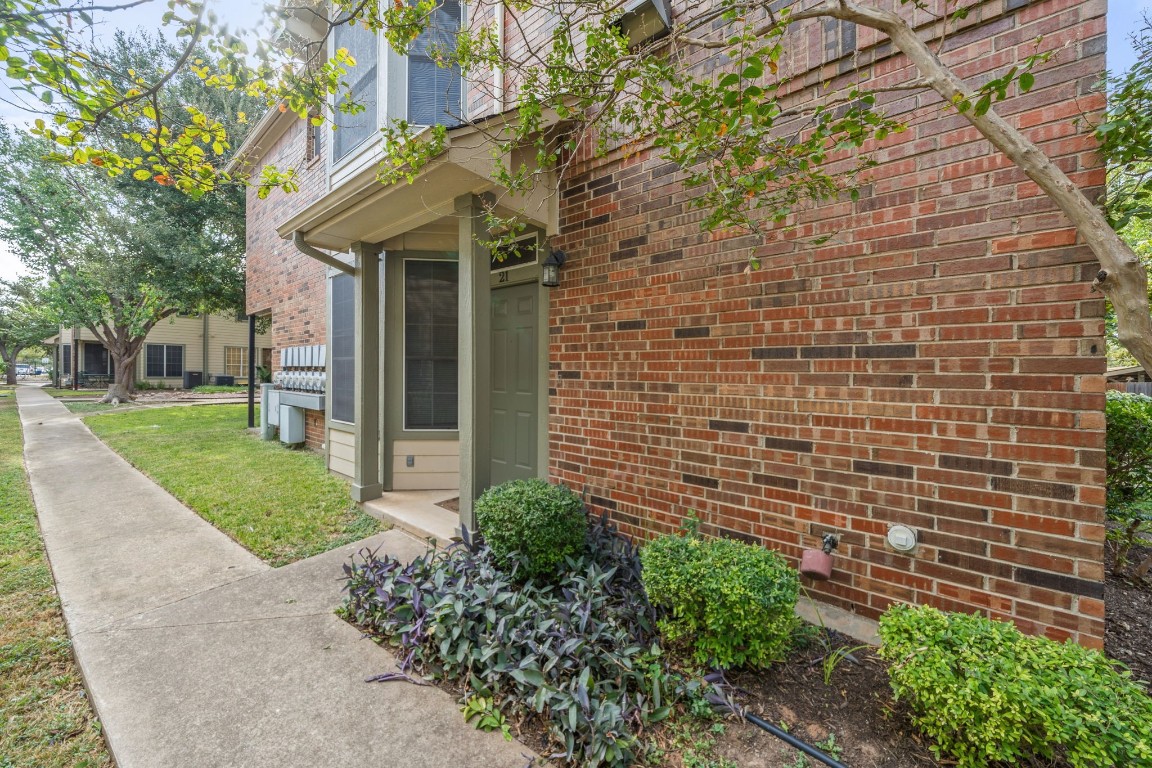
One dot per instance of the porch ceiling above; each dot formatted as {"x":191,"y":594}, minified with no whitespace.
{"x":362,"y":209}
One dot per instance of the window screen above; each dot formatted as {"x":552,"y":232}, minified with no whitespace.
{"x":434,"y":91}
{"x":163,"y":361}
{"x":96,"y":360}
{"x":343,"y":364}
{"x":431,"y":290}
{"x":354,"y":128}
{"x":66,"y":359}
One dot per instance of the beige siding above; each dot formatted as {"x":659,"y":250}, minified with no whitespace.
{"x":341,"y":452}
{"x":435,"y":465}
{"x":188,"y":332}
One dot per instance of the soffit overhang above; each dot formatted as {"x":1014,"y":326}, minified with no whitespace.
{"x":361,"y":209}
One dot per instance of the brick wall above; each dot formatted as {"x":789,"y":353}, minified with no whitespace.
{"x":281,"y":281}
{"x":938,"y":363}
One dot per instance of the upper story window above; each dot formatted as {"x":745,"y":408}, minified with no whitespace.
{"x":363,"y":45}
{"x":392,"y":87}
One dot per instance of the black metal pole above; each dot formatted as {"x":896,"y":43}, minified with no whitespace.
{"x":251,"y":371}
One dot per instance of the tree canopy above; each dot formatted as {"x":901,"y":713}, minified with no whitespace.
{"x":721,"y":95}
{"x":121,"y":256}
{"x":25,"y":320}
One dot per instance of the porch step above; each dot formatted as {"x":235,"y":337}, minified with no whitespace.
{"x":416,"y":512}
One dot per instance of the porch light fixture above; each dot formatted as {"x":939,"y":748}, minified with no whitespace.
{"x":551,"y":265}
{"x":645,"y":20}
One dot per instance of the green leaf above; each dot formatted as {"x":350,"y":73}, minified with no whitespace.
{"x":1027,"y":80}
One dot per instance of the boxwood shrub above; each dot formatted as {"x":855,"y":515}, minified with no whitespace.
{"x":533,"y":523}
{"x":732,"y":603}
{"x":985,"y":692}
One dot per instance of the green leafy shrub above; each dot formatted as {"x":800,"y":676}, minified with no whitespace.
{"x":1129,"y":484}
{"x":732,"y":602}
{"x":533,"y":522}
{"x":583,"y":653}
{"x":984,"y":692}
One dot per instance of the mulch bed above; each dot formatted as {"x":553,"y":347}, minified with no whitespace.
{"x":1128,"y":620}
{"x":857,"y":707}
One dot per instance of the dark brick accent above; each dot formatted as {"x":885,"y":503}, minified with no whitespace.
{"x":607,"y":189}
{"x":631,"y":325}
{"x":1034,"y":488}
{"x":703,"y":482}
{"x":774,"y":353}
{"x":1060,"y":583}
{"x":634,"y":242}
{"x":624,"y":253}
{"x":784,"y":444}
{"x":666,"y":256}
{"x":823,"y":353}
{"x":775,"y":481}
{"x":975,"y":564}
{"x":1013,"y":5}
{"x":728,"y":426}
{"x":886,"y":350}
{"x":569,"y":374}
{"x":600,"y":182}
{"x":973,"y":464}
{"x":603,"y":503}
{"x":694,"y":332}
{"x":879,"y":468}
{"x":787,"y":286}
{"x":594,"y":221}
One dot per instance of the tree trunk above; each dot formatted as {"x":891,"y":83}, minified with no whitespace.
{"x":123,"y":386}
{"x":10,"y":365}
{"x":1122,"y":277}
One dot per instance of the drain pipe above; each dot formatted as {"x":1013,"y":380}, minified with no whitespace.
{"x":320,"y":256}
{"x":794,"y":742}
{"x":722,"y":701}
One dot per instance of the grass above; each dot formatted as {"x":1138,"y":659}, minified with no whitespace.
{"x":281,"y":505}
{"x":211,"y":389}
{"x":56,"y":392}
{"x":87,"y":407}
{"x":45,"y":718}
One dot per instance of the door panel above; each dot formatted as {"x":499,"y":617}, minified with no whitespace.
{"x":515,"y":369}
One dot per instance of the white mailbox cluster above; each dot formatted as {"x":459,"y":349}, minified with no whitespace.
{"x":298,"y":386}
{"x":301,"y":369}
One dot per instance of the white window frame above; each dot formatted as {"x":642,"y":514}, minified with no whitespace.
{"x":391,"y":103}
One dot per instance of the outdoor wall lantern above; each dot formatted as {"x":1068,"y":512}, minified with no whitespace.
{"x":645,"y":20}
{"x":551,"y":265}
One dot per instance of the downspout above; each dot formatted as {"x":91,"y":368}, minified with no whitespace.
{"x":320,"y":256}
{"x":205,"y":379}
{"x":251,"y":371}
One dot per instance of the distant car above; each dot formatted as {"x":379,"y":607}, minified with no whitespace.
{"x":23,"y":369}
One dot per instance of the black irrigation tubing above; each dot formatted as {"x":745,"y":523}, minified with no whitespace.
{"x":792,"y":741}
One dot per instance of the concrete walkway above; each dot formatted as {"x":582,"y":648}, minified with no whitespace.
{"x":198,"y":654}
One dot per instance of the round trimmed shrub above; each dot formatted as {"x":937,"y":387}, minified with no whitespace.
{"x":733,"y":603}
{"x":540,"y":522}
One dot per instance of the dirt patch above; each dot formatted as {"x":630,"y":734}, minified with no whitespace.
{"x":1128,"y":619}
{"x":867,"y":729}
{"x":452,"y":505}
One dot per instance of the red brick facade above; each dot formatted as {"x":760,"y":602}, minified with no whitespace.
{"x":937,"y":364}
{"x":283,"y":282}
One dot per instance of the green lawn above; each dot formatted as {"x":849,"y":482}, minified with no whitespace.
{"x":45,"y":718}
{"x":281,"y":505}
{"x":74,"y":392}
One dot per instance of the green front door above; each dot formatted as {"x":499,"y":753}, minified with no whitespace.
{"x":515,"y":376}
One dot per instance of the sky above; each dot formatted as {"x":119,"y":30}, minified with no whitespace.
{"x":1124,"y":17}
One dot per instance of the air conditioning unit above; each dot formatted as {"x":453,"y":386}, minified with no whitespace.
{"x":291,"y":425}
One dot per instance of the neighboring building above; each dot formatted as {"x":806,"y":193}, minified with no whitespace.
{"x":174,"y":348}
{"x":938,"y":364}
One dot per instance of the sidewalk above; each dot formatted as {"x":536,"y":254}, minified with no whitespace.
{"x":198,"y":654}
